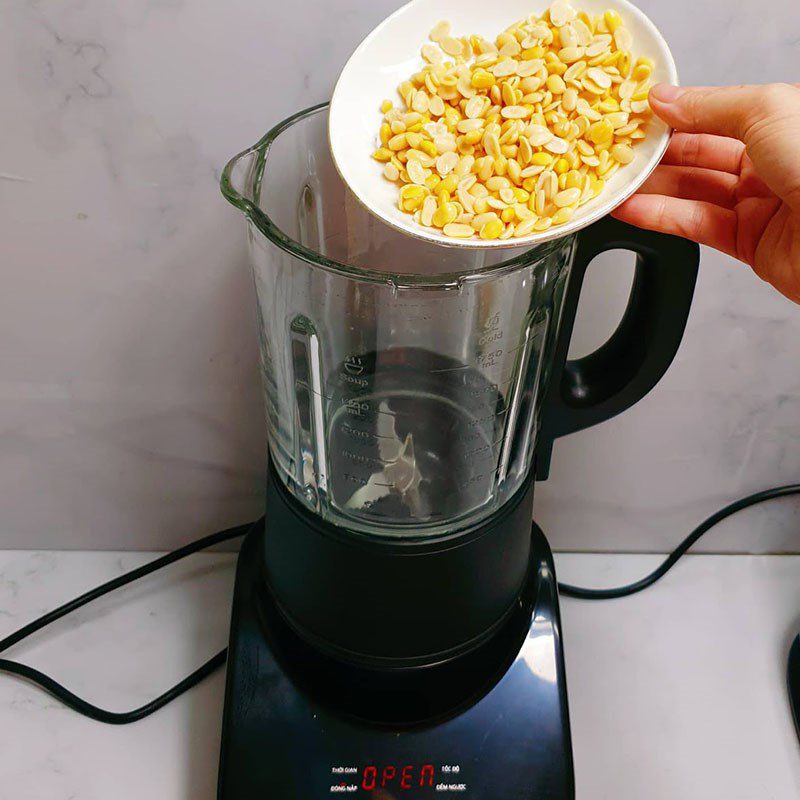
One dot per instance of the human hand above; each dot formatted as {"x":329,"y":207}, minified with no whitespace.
{"x":730,"y":178}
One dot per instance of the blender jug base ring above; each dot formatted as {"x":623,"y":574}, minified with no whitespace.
{"x":511,"y":739}
{"x":394,"y":602}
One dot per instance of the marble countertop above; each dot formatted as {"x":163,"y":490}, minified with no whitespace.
{"x":677,"y":693}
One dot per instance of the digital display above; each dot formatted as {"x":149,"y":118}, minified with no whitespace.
{"x":390,"y":776}
{"x":397,"y":778}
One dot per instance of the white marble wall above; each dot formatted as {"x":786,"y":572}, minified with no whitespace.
{"x":129,"y":404}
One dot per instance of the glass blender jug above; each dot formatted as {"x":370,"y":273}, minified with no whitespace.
{"x":412,"y":393}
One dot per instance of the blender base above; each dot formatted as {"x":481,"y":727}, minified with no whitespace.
{"x":298,"y":725}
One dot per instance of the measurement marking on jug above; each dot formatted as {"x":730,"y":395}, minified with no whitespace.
{"x":474,"y":423}
{"x":358,"y":458}
{"x":354,"y":365}
{"x":322,"y":395}
{"x":485,"y":448}
{"x":489,"y":359}
{"x":355,"y":407}
{"x":361,"y":435}
{"x":491,"y":330}
{"x":356,"y":433}
{"x":518,"y":347}
{"x":449,"y":369}
{"x":352,"y":380}
{"x":488,"y":338}
{"x":489,"y":388}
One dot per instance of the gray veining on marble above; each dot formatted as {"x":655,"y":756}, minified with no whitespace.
{"x":130,"y":412}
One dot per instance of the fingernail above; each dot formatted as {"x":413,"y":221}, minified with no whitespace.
{"x":666,"y":93}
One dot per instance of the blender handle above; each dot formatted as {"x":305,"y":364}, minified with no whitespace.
{"x":597,"y":387}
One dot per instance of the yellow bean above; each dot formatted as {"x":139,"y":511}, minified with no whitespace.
{"x":612,"y":20}
{"x":601,"y":132}
{"x":541,"y":159}
{"x":481,"y":79}
{"x":398,"y":142}
{"x":457,"y":230}
{"x":445,"y":214}
{"x":491,"y":229}
{"x":622,"y":153}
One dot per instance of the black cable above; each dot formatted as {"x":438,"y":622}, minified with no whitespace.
{"x":632,"y":588}
{"x":82,"y":706}
{"x":122,"y":718}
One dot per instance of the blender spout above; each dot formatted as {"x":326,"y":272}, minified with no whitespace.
{"x":241,"y":178}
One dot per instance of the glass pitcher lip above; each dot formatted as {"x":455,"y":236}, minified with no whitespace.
{"x":266,"y":226}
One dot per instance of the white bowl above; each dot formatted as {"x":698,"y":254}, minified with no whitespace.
{"x":391,"y":54}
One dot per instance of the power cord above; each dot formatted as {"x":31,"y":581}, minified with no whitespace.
{"x":123,"y":718}
{"x":82,"y":706}
{"x":632,"y":588}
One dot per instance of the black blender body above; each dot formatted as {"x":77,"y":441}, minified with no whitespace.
{"x":396,"y":625}
{"x":300,"y":723}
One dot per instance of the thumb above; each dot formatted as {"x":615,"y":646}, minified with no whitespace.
{"x":724,"y":111}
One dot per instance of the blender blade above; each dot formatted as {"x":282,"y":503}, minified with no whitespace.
{"x":400,"y":473}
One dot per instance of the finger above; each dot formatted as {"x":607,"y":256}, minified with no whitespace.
{"x":751,"y":184}
{"x":701,"y":222}
{"x":705,"y":150}
{"x":720,"y":110}
{"x":693,"y":183}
